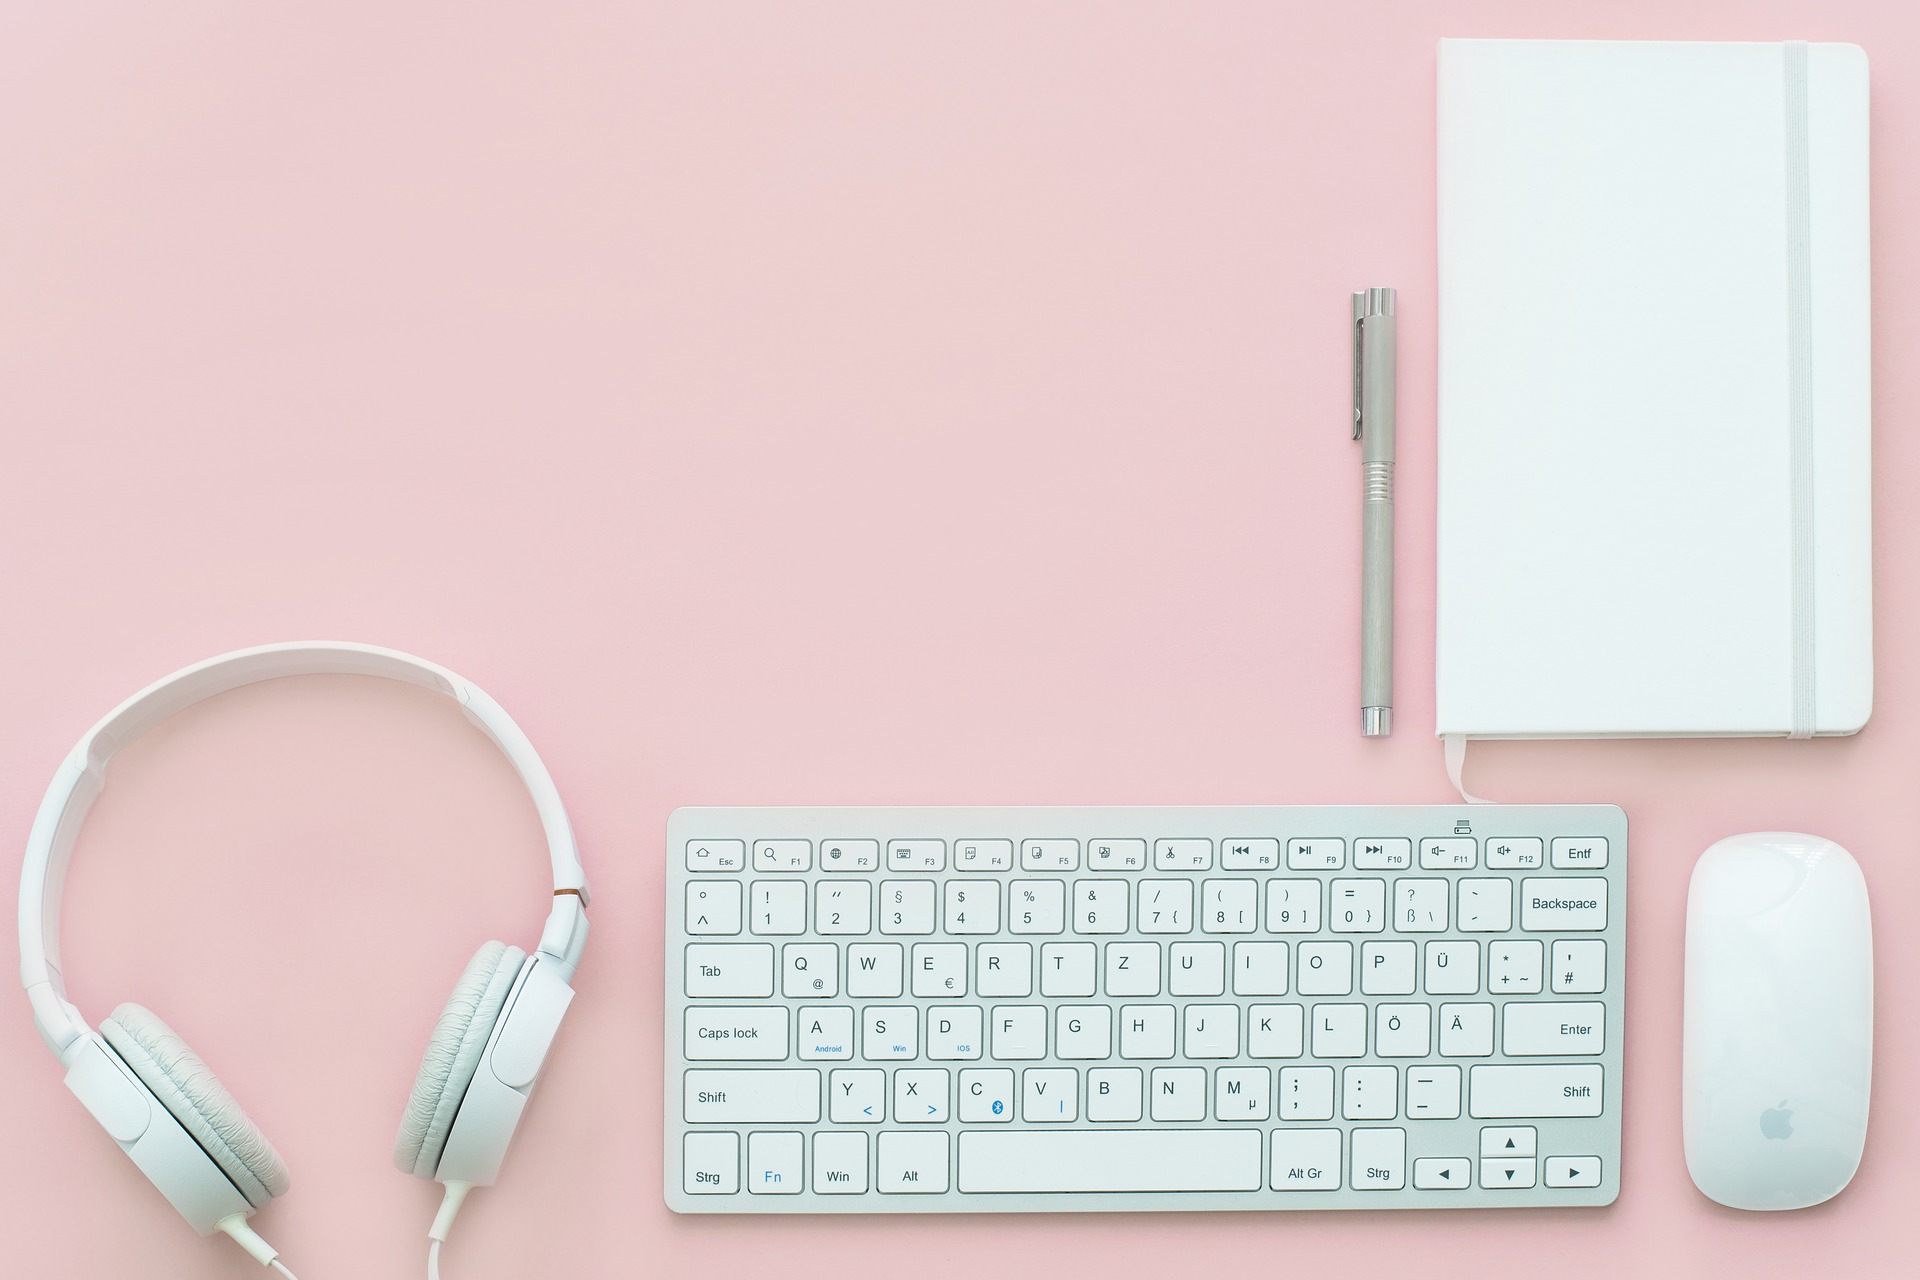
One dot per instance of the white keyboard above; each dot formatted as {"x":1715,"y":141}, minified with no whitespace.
{"x":988,"y":1010}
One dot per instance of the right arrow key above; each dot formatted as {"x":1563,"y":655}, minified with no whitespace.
{"x":1573,"y":1171}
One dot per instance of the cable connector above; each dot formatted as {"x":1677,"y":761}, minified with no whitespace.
{"x":247,"y":1238}
{"x":443,"y":1224}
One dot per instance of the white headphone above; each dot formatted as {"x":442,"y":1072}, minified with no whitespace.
{"x":161,"y":1103}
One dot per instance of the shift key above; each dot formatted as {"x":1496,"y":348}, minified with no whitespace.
{"x":1514,"y":1093}
{"x":753,"y":1097}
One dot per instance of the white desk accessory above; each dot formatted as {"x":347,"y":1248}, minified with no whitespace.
{"x":1654,"y":389}
{"x":162,"y":1105}
{"x":1779,"y":1021}
{"x":1033,"y":1010}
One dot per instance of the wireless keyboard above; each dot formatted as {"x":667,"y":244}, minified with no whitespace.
{"x":989,"y":1010}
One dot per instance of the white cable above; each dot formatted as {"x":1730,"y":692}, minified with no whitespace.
{"x":281,"y":1267}
{"x":433,"y":1261}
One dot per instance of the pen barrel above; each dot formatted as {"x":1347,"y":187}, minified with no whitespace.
{"x":1376,"y":588}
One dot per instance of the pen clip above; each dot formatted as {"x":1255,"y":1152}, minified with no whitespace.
{"x":1359,"y":360}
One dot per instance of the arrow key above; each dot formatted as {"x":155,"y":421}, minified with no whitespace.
{"x":1573,"y":1171}
{"x":1507,"y":1175}
{"x":1442,"y":1174}
{"x":1514,"y":1142}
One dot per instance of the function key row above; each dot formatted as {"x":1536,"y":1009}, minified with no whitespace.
{"x":1314,"y":853}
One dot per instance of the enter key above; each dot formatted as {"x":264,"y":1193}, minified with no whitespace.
{"x":1564,"y":1029}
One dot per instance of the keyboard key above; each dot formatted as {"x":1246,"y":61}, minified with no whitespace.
{"x":1503,"y":1092}
{"x":1446,"y":1173}
{"x":1179,"y":1093}
{"x":1580,"y":854}
{"x":1339,"y":1030}
{"x":1050,"y":1095}
{"x":1197,"y":969}
{"x":1402,"y":1030}
{"x":1513,"y":968}
{"x":1036,"y":906}
{"x":1259,"y":969}
{"x":1572,"y":1171}
{"x":1449,"y":853}
{"x":1370,"y":1093}
{"x":1379,"y":1160}
{"x":1383,"y":855}
{"x":1274,"y":1031}
{"x":1358,"y":906}
{"x":1100,"y":906}
{"x":1554,"y":1030}
{"x":849,"y":855}
{"x":1133,"y":969}
{"x":1242,"y":1093}
{"x":1229,"y":906}
{"x":1579,"y":966}
{"x":1420,"y":906}
{"x":986,"y":1096}
{"x":711,"y":1165}
{"x":1306,"y":1160}
{"x":760,"y":1095}
{"x":1083,"y":1031}
{"x":1111,"y":1160}
{"x":1453,"y":969}
{"x":1050,"y":855}
{"x":920,"y":1096}
{"x":839,"y":1164}
{"x":1166,"y":906}
{"x":1508,"y":1142}
{"x":1466,"y":1030}
{"x":1067,"y":968}
{"x":876,"y":969}
{"x":1182,"y":855}
{"x":1324,"y":854}
{"x":1212,"y":1031}
{"x":778,"y":906}
{"x":1019,"y":1031}
{"x":1117,"y":855}
{"x":1250,"y":855}
{"x":713,"y":907}
{"x":823,"y":1032}
{"x":955,"y":1032}
{"x":754,"y":1033}
{"x":1563,"y":905}
{"x":890,"y":1033}
{"x":906,"y":906}
{"x":914,"y":1163}
{"x":782,"y":855}
{"x":716,"y":855}
{"x":1326,"y":969}
{"x":1514,"y":853}
{"x":1306,"y":1093}
{"x":843,"y":908}
{"x":1433,"y":1093}
{"x":940,"y":969}
{"x":1113,"y":1094}
{"x":773,"y":1164}
{"x":1003,"y":969}
{"x":729,"y":969}
{"x":1387,"y":968}
{"x":916,"y":855}
{"x":983,"y":855}
{"x":973,"y":906}
{"x":1506,"y":1175}
{"x":1485,"y":906}
{"x":1293,"y":906}
{"x":1146,"y":1031}
{"x":857,"y":1096}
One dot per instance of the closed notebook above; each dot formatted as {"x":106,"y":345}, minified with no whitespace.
{"x":1654,"y":390}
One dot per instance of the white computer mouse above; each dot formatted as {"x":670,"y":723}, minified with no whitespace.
{"x":1778,"y":1049}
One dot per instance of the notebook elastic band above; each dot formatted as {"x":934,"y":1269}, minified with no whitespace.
{"x":1800,"y":384}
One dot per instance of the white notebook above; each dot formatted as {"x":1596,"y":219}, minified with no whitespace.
{"x":1654,"y":390}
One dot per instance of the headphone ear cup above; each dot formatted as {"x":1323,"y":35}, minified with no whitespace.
{"x":195,"y":1097}
{"x":453,"y":1055}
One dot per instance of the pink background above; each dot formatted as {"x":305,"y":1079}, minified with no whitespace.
{"x":876,"y":404}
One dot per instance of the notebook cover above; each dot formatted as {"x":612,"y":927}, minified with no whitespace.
{"x":1615,"y":536}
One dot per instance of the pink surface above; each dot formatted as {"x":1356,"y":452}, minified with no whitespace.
{"x":876,"y":404}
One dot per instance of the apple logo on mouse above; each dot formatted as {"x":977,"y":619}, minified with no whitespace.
{"x":1777,"y":1121}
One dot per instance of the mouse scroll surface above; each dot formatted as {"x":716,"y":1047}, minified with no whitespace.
{"x":1779,"y":1021}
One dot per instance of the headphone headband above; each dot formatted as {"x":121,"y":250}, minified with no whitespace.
{"x":82,"y":776}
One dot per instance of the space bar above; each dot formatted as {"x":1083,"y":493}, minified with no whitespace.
{"x":1111,"y":1160}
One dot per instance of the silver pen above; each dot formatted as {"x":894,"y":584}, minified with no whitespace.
{"x":1373,"y":392}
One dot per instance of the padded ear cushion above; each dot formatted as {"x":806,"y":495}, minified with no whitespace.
{"x":453,"y":1055}
{"x":197,"y":1099}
